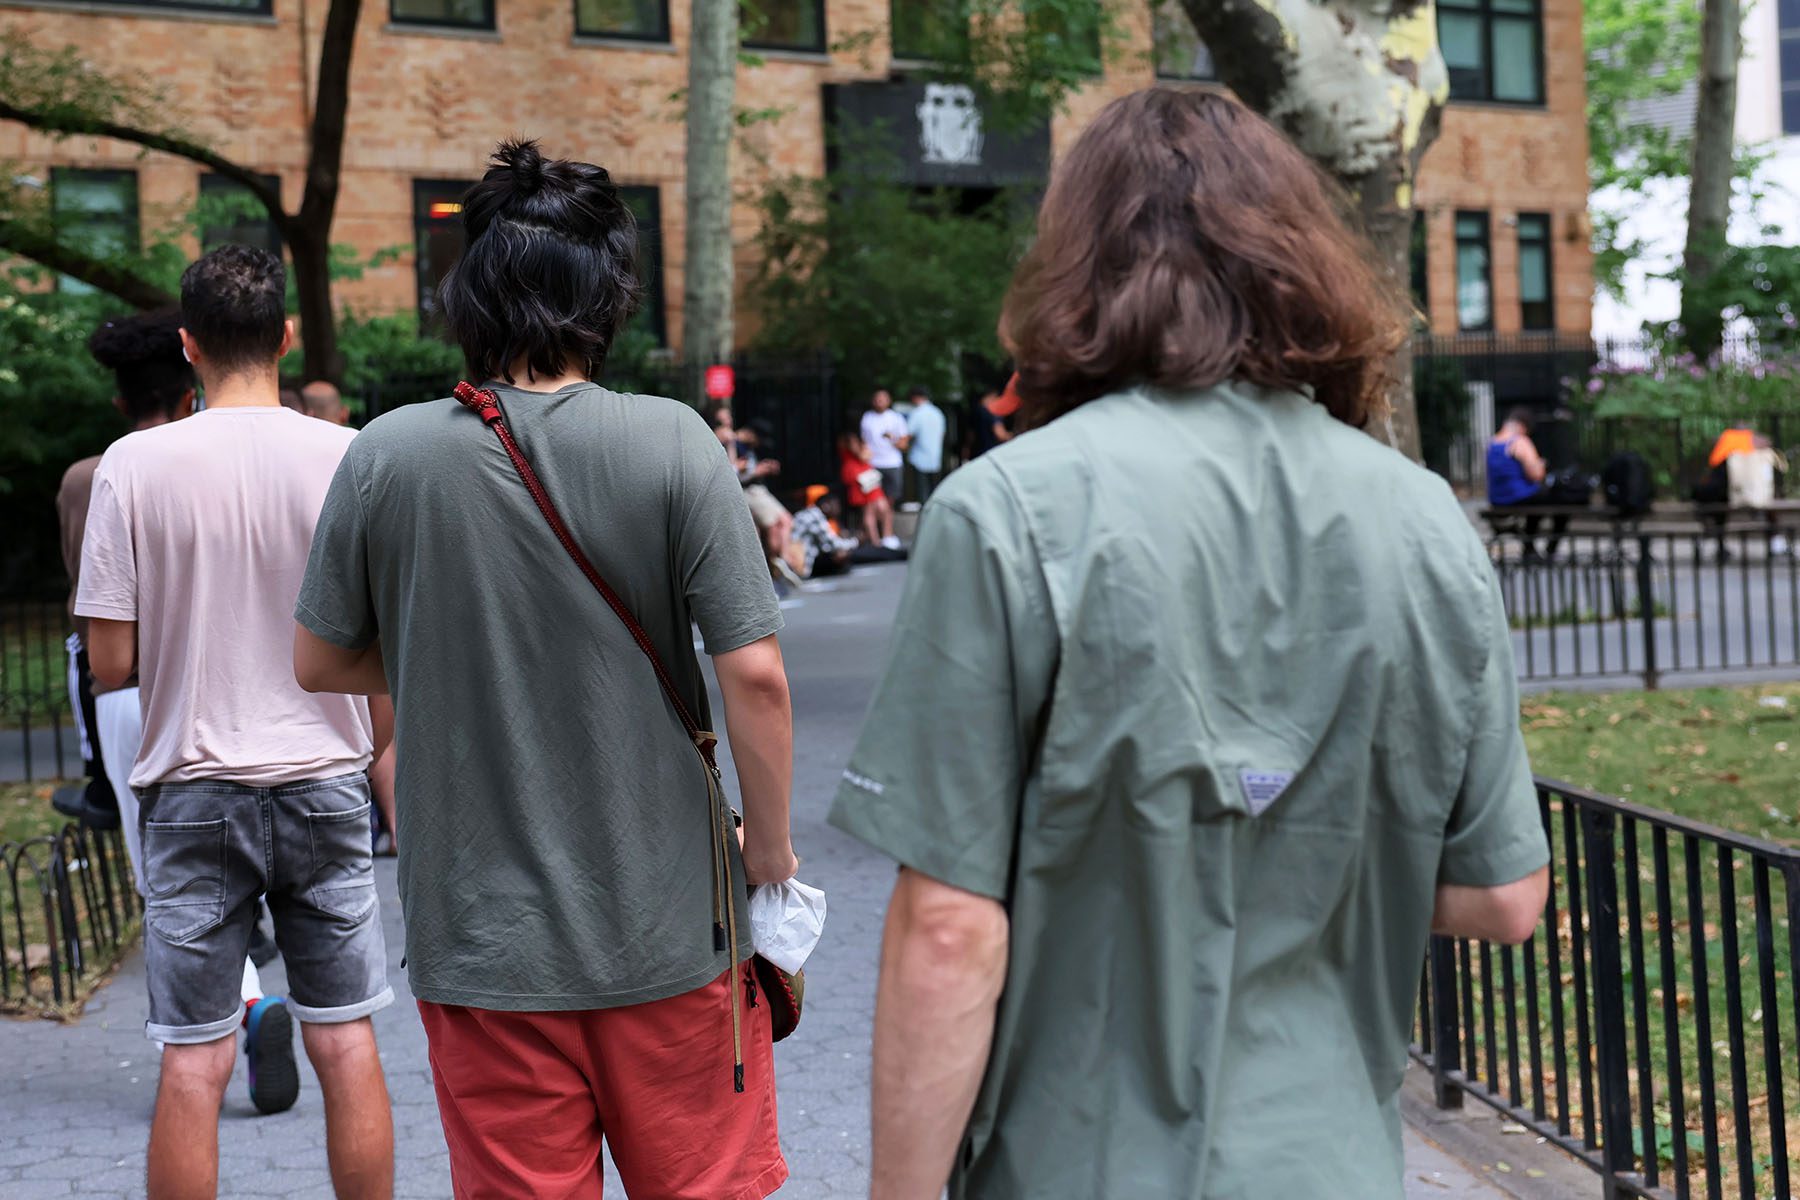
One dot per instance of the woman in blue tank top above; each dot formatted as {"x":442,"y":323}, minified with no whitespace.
{"x":1516,"y":474}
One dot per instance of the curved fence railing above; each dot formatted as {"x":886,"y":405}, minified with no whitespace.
{"x":1651,"y":1026}
{"x":67,"y":905}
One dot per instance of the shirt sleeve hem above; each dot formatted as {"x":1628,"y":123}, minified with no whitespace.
{"x":1492,"y":868}
{"x":324,"y":629}
{"x":725,"y":643}
{"x":105,"y":611}
{"x":851,"y":815}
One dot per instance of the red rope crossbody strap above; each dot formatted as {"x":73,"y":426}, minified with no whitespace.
{"x":487,"y":406}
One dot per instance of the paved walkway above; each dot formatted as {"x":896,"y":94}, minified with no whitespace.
{"x":76,"y":1102}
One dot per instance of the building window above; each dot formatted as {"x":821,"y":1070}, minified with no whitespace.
{"x":1535,"y":307}
{"x":453,"y":14}
{"x":1179,"y":52}
{"x":926,"y":30}
{"x":254,"y":8}
{"x":1474,"y":272}
{"x":1494,"y":48}
{"x":1076,"y":26}
{"x":437,"y":239}
{"x":1419,"y":263}
{"x":645,"y":204}
{"x":1788,"y":52}
{"x":96,"y":212}
{"x":784,"y":24}
{"x":640,"y":20}
{"x":229,"y":213}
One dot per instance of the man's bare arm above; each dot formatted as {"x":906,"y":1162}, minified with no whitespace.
{"x":760,"y":722}
{"x":320,"y":666}
{"x":1507,"y":913}
{"x":943,"y":961}
{"x":112,"y":651}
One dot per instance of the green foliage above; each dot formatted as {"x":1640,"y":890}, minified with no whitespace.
{"x":1678,"y":386}
{"x":58,"y":406}
{"x":67,"y":94}
{"x":385,"y":355}
{"x":896,"y":284}
{"x":1755,"y":286}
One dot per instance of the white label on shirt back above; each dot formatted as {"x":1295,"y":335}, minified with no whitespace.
{"x":864,"y":783}
{"x":1263,"y":788}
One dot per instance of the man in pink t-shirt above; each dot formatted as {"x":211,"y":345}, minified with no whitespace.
{"x":197,"y":539}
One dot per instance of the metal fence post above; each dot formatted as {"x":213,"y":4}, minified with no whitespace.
{"x":1446,"y":1037}
{"x":1604,"y":942}
{"x":1646,"y":591}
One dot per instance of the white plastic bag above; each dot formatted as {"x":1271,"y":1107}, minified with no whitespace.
{"x":786,"y":920}
{"x":1752,"y":476}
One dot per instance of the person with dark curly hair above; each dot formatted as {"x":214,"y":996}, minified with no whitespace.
{"x":567,"y":933}
{"x":1201,"y":713}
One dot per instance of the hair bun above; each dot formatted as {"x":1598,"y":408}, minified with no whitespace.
{"x":520,"y":157}
{"x":125,"y":342}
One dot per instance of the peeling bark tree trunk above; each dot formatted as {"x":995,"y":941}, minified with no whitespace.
{"x":706,"y":322}
{"x":1709,"y":198}
{"x":1358,"y":85}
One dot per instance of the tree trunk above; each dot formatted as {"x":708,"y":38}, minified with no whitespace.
{"x":706,"y":326}
{"x":1360,"y":86}
{"x":41,"y":246}
{"x":1709,"y":201}
{"x":311,"y":253}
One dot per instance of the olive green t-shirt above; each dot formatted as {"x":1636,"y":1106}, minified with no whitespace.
{"x":1211,"y":691}
{"x":555,"y":844}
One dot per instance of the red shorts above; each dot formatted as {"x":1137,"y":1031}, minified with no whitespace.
{"x":526,"y":1098}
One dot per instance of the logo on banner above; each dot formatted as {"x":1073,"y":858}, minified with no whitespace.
{"x":950,"y":126}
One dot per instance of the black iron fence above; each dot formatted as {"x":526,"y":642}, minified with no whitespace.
{"x":1682,"y":598}
{"x":34,"y":692}
{"x":68,"y":908}
{"x":1651,"y":1026}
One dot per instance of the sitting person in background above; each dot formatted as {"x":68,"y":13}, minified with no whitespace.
{"x":1516,"y":473}
{"x":863,"y":486}
{"x":775,"y":526}
{"x":825,"y":549}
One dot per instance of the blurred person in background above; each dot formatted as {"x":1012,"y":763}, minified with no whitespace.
{"x":322,"y":399}
{"x":925,"y":426}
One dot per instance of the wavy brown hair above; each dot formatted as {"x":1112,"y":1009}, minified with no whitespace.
{"x":1184,"y":242}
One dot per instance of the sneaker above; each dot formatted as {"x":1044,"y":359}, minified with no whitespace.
{"x":75,"y":801}
{"x":269,"y":1041}
{"x":890,"y":543}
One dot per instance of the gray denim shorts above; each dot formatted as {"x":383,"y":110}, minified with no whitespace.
{"x":211,"y":849}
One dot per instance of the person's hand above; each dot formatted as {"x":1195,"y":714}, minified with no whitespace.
{"x":769,"y":865}
{"x":767,"y":467}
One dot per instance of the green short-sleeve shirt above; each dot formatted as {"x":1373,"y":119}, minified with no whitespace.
{"x":555,"y":833}
{"x":1212,"y":691}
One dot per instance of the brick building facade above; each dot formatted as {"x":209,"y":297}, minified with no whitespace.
{"x":1502,"y":235}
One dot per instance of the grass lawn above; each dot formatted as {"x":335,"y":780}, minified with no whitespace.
{"x":25,"y":814}
{"x":32,"y":661}
{"x":1726,"y":756}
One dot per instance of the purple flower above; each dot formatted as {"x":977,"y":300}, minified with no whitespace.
{"x":1594,"y":386}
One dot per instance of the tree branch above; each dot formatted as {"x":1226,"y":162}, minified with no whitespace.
{"x":41,"y":246}
{"x":70,"y":123}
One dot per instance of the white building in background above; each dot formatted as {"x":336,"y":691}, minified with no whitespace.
{"x":1768,"y":117}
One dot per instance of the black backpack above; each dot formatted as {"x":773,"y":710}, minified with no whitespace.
{"x":1626,"y":483}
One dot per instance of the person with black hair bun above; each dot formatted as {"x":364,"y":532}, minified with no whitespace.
{"x":558,"y":871}
{"x":155,"y":385}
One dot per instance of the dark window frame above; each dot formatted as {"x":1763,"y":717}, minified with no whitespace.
{"x":262,"y":8}
{"x":1156,"y":8}
{"x":1418,"y":256}
{"x":490,"y":25}
{"x":655,"y":308}
{"x":663,"y":37}
{"x":1787,"y":30}
{"x":207,"y":242}
{"x":1549,"y":300}
{"x":1483,"y":11}
{"x":1486,"y":242}
{"x":818,"y":47}
{"x":895,"y":51}
{"x":115,"y":174}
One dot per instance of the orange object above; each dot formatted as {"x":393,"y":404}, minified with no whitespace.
{"x":1007,"y":403}
{"x":816,"y":493}
{"x":525,"y":1096}
{"x":1736,"y":440}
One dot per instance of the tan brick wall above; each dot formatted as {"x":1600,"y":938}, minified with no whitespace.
{"x":430,"y":105}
